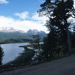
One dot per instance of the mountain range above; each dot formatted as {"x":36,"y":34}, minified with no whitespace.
{"x":10,"y":35}
{"x":36,"y":32}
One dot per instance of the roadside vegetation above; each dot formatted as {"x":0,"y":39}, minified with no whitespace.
{"x":59,"y":41}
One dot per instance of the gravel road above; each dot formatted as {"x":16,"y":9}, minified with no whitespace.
{"x":64,"y":66}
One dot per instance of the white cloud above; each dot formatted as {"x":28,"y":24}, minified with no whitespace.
{"x":41,"y":19}
{"x":22,"y":15}
{"x":24,"y":25}
{"x":3,"y":1}
{"x":71,"y":20}
{"x":35,"y":22}
{"x":41,"y":1}
{"x":74,"y":3}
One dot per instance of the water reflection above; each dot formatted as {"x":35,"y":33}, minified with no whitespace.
{"x":11,"y":51}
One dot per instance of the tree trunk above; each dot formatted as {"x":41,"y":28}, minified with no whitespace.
{"x":68,"y":40}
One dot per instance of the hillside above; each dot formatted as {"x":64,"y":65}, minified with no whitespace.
{"x":16,"y":36}
{"x":12,"y":37}
{"x":36,"y":32}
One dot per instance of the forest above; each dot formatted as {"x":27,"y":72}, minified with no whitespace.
{"x":60,"y":40}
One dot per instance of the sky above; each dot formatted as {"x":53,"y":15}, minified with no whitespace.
{"x":21,"y":15}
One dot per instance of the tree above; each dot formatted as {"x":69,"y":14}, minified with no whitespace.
{"x":73,"y":38}
{"x":36,"y":41}
{"x":1,"y":55}
{"x":24,"y":58}
{"x":58,"y":13}
{"x":50,"y":44}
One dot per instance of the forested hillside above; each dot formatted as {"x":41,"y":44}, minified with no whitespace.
{"x":17,"y":37}
{"x":12,"y":37}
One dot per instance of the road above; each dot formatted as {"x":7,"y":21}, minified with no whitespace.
{"x":64,"y":66}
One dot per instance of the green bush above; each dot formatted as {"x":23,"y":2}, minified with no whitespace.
{"x":72,"y":52}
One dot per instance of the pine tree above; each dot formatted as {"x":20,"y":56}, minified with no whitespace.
{"x":50,"y":44}
{"x":1,"y":55}
{"x":58,"y":12}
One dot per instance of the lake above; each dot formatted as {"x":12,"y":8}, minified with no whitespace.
{"x":11,"y":51}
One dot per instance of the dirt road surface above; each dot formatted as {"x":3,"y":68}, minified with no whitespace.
{"x":64,"y":66}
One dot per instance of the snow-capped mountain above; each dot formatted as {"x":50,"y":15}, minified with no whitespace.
{"x":36,"y":32}
{"x":32,"y":32}
{"x":29,"y":32}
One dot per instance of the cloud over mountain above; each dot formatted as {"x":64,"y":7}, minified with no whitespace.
{"x":24,"y":25}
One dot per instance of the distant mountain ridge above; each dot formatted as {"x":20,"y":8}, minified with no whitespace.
{"x":14,"y":37}
{"x":36,"y":32}
{"x":29,"y":32}
{"x":11,"y":35}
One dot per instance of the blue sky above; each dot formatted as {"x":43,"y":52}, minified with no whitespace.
{"x":13,"y":6}
{"x":21,"y":15}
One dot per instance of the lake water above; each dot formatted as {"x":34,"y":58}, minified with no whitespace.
{"x":11,"y":51}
